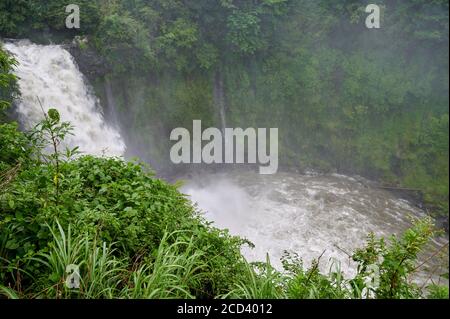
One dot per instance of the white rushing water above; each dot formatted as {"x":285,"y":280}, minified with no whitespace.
{"x":305,"y":214}
{"x":49,"y":72}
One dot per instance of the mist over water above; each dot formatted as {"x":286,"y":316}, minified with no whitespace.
{"x":305,"y":214}
{"x":48,"y":72}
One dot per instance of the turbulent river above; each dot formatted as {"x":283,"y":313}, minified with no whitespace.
{"x":309,"y":215}
{"x":305,"y":214}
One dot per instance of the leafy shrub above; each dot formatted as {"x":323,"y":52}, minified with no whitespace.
{"x":395,"y":262}
{"x":107,"y":200}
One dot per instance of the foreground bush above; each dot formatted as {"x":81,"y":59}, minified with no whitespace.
{"x":108,"y":200}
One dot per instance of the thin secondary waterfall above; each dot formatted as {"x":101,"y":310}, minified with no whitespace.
{"x":49,"y":73}
{"x":219,"y":99}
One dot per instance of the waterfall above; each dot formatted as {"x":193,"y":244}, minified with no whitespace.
{"x":219,"y":99}
{"x":49,"y":73}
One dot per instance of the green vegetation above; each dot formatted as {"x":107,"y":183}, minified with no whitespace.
{"x":135,"y":236}
{"x":346,"y":98}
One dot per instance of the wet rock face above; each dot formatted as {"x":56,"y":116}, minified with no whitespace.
{"x":90,"y":63}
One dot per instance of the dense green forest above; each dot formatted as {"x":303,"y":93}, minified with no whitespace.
{"x":346,"y":99}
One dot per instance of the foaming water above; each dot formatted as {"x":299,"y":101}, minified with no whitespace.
{"x":305,"y":214}
{"x":48,"y":72}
